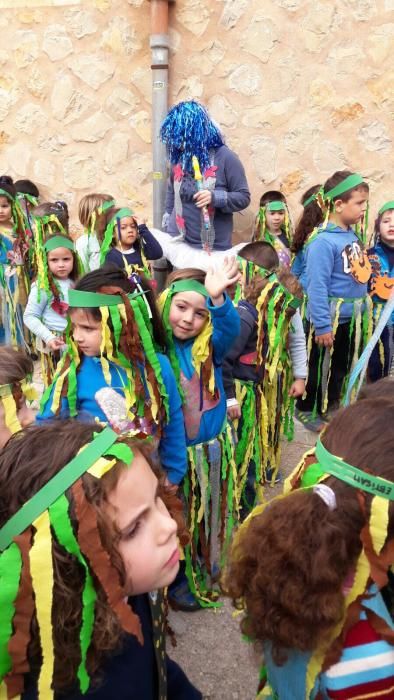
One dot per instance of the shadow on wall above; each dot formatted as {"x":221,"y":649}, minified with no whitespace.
{"x":243,"y":226}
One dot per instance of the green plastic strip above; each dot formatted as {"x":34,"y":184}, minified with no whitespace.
{"x":370,"y":483}
{"x":78,"y":299}
{"x":10,"y":572}
{"x":347,"y":184}
{"x":58,"y":242}
{"x":188,"y":286}
{"x":56,"y":487}
{"x":310,"y":199}
{"x":122,"y":214}
{"x":386,"y":207}
{"x":61,"y":524}
{"x":122,"y":452}
{"x":9,"y":196}
{"x":277,"y":205}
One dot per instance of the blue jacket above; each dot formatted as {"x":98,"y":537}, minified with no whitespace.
{"x":90,"y":378}
{"x":226,"y":327}
{"x":381,"y":266}
{"x":335,"y":261}
{"x":146,"y":240}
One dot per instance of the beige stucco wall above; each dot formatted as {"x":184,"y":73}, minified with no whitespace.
{"x":300,"y":87}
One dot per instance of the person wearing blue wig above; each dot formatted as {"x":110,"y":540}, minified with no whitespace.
{"x":207,"y":182}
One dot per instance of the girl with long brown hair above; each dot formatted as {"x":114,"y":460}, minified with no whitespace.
{"x":88,"y":538}
{"x":310,"y":568}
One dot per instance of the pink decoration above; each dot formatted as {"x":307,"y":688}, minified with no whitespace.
{"x":60,"y":307}
{"x":180,"y":222}
{"x":178,"y":172}
{"x":210,"y":172}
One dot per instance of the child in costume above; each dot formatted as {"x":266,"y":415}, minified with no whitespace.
{"x":112,"y":343}
{"x":46,"y":310}
{"x":88,"y":540}
{"x":14,"y":266}
{"x":91,"y":213}
{"x":207,"y":183}
{"x":265,"y":368}
{"x":381,"y":285}
{"x":272,"y":224}
{"x":16,"y":370}
{"x":310,"y":218}
{"x":338,"y":306}
{"x":308,"y":568}
{"x":28,"y":195}
{"x":201,"y":325}
{"x":128,"y":244}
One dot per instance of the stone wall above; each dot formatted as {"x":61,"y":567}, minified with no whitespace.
{"x":300,"y":87}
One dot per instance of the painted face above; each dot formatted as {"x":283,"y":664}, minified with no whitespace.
{"x":60,"y":262}
{"x":275,"y":220}
{"x":148,"y":544}
{"x":386,"y":228}
{"x":128,"y":231}
{"x":5,"y":210}
{"x":188,"y":314}
{"x":25,"y":416}
{"x":352,"y":211}
{"x":86,"y":331}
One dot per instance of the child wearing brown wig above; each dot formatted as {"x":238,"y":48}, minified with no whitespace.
{"x":16,"y":370}
{"x":309,"y":568}
{"x":83,"y":567}
{"x":266,"y":366}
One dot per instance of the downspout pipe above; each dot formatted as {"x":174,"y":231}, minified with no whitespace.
{"x":159,"y":44}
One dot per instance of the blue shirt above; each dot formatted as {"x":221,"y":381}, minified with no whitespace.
{"x":226,"y":327}
{"x":90,"y":378}
{"x":335,"y":263}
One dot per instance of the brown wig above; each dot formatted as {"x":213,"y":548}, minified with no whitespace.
{"x":24,"y":470}
{"x":58,"y":209}
{"x":113,"y":277}
{"x":286,"y":278}
{"x":27,"y":187}
{"x":260,"y":253}
{"x":272,"y":196}
{"x":187,"y":273}
{"x":289,"y":566}
{"x":311,"y":217}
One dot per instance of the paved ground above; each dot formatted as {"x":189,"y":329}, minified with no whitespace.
{"x":210,"y":648}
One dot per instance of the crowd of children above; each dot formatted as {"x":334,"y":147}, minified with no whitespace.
{"x":164,"y":416}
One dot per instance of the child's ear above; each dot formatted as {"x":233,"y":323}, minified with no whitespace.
{"x":338,"y":205}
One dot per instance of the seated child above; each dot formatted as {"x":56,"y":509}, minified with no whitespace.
{"x":272,"y":224}
{"x":47,"y":306}
{"x":265,"y":367}
{"x":310,"y":218}
{"x":83,"y":567}
{"x":16,"y":370}
{"x":91,"y":213}
{"x":128,"y":244}
{"x":308,"y":568}
{"x":381,"y":285}
{"x":111,"y":370}
{"x":201,"y":325}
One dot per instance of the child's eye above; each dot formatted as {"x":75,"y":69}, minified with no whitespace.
{"x":201,"y":314}
{"x":133,"y":531}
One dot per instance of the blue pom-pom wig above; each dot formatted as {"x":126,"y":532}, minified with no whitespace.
{"x":189,"y":131}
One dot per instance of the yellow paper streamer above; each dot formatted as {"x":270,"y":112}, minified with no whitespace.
{"x":10,"y":414}
{"x":42,"y":576}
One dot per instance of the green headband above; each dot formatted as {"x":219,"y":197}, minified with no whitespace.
{"x":347,"y":184}
{"x":105,"y":206}
{"x":4,"y":193}
{"x":59,"y":483}
{"x":386,"y":207}
{"x":28,"y":197}
{"x":188,"y":286}
{"x":310,"y":199}
{"x":122,"y":213}
{"x":78,"y":299}
{"x":58,"y":242}
{"x":276,"y":206}
{"x":331,"y":464}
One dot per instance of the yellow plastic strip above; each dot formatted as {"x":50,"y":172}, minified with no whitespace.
{"x":42,"y":576}
{"x":378,"y":522}
{"x":10,"y":414}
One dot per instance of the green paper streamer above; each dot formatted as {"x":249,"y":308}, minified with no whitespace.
{"x":121,"y":451}
{"x":10,"y":572}
{"x":62,"y":526}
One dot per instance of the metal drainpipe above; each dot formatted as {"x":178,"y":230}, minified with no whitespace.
{"x":159,"y":43}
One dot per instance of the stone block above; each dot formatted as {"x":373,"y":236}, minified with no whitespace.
{"x":141,"y":123}
{"x":382,"y":89}
{"x":194,"y":16}
{"x":19,"y":156}
{"x":190,"y":88}
{"x":29,"y":118}
{"x":246,"y":79}
{"x":380,"y":43}
{"x":68,"y":103}
{"x":222,"y":111}
{"x":361,"y":10}
{"x":259,"y":37}
{"x":37,"y":82}
{"x":328,"y":156}
{"x":80,"y":171}
{"x":375,"y":137}
{"x":346,"y":113}
{"x":44,"y":171}
{"x":232,"y":12}
{"x":121,"y":38}
{"x":93,"y":68}
{"x":116,"y":152}
{"x":92,"y":129}
{"x":26,"y":48}
{"x":263,"y":150}
{"x":57,"y":44}
{"x":121,"y":101}
{"x":81,"y":22}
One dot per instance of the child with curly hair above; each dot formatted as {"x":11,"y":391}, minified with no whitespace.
{"x":309,"y":569}
{"x":88,"y":540}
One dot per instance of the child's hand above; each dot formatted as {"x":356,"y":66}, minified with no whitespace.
{"x":217,"y":281}
{"x":203,"y":198}
{"x":325,"y":340}
{"x":55,"y":344}
{"x":297,"y":388}
{"x":234,"y":411}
